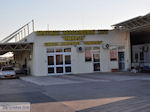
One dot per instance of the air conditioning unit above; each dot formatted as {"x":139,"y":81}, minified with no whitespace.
{"x":105,"y":46}
{"x":80,"y":48}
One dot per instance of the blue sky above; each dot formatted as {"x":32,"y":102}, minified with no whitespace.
{"x":68,"y":14}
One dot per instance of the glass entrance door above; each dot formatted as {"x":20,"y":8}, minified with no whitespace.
{"x":51,"y":69}
{"x":59,"y":63}
{"x":96,"y":59}
{"x":121,"y":61}
{"x":96,"y":62}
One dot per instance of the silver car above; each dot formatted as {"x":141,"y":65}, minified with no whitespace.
{"x":7,"y":72}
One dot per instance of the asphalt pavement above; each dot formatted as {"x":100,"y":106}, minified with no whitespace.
{"x":97,"y":92}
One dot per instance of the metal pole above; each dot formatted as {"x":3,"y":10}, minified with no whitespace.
{"x":24,"y":32}
{"x":33,"y":25}
{"x":28,"y":28}
{"x":21,"y":34}
{"x":15,"y":38}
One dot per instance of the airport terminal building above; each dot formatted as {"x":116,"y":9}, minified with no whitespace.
{"x":72,"y":52}
{"x":46,"y":53}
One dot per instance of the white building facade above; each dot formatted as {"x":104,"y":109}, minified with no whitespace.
{"x":76,"y":52}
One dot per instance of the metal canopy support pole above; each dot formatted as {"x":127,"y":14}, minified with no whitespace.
{"x":28,"y":28}
{"x":21,"y":34}
{"x":24,"y":32}
{"x":33,"y":25}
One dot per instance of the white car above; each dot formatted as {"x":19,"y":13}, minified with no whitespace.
{"x":7,"y":72}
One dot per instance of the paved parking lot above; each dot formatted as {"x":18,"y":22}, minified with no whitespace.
{"x":83,"y":78}
{"x":98,"y":92}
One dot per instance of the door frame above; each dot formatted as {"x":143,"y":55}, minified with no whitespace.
{"x":121,"y":61}
{"x":63,"y":65}
{"x":92,"y":53}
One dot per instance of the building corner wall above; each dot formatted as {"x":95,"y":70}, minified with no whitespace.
{"x":128,"y":51}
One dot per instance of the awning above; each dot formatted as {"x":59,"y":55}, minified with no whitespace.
{"x":135,"y":24}
{"x":14,"y":47}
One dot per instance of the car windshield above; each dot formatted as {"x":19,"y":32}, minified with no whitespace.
{"x":7,"y":69}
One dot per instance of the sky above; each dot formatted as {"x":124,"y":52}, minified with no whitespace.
{"x":68,"y":14}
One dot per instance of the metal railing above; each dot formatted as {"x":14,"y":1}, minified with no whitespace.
{"x":20,"y":33}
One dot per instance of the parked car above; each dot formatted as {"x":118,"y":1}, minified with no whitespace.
{"x":7,"y":72}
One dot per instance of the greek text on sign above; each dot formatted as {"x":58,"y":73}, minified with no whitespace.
{"x":71,"y":32}
{"x":72,"y":38}
{"x":72,"y":43}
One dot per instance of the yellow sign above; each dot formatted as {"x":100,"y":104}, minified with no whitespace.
{"x":69,"y":43}
{"x":73,"y":32}
{"x":47,"y":33}
{"x":72,"y":43}
{"x":92,"y":42}
{"x":71,"y":38}
{"x":52,"y":44}
{"x":79,"y":32}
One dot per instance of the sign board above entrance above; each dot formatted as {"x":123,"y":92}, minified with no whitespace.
{"x":71,"y":32}
{"x":72,"y":43}
{"x":72,"y":38}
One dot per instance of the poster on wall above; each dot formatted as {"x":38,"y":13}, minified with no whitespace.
{"x":113,"y":55}
{"x":88,"y":55}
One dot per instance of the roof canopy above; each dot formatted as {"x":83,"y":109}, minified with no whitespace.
{"x":135,"y":24}
{"x":14,"y":47}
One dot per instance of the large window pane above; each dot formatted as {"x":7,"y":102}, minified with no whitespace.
{"x":67,"y":59}
{"x":50,"y":50}
{"x":88,"y":54}
{"x":67,"y":50}
{"x":50,"y":70}
{"x":59,"y":50}
{"x":59,"y":69}
{"x":96,"y":57}
{"x":68,"y":69}
{"x":96,"y":49}
{"x":96,"y":66}
{"x":50,"y":60}
{"x":59,"y":59}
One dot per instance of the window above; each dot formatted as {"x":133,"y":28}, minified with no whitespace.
{"x":51,"y":70}
{"x":136,"y":57}
{"x":59,"y":50}
{"x":96,"y":66}
{"x":50,"y":60}
{"x":96,"y":49}
{"x":50,"y":50}
{"x":96,"y":57}
{"x":88,"y":56}
{"x":68,"y":69}
{"x":59,"y":69}
{"x":67,"y":59}
{"x":67,"y":50}
{"x":59,"y":59}
{"x":141,"y":56}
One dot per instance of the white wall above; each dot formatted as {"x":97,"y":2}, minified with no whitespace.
{"x":114,"y":38}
